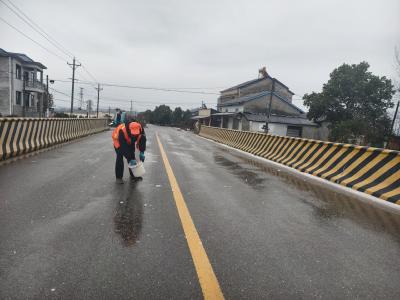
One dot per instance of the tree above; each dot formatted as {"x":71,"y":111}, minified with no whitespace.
{"x":396,"y":127}
{"x":177,"y":116}
{"x":146,"y":117}
{"x":186,"y":118}
{"x":48,"y":101}
{"x":162,"y":115}
{"x":397,"y":66}
{"x":355,"y":103}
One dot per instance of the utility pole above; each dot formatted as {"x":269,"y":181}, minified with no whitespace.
{"x":89,"y":108}
{"x":74,"y":66}
{"x":269,"y":105}
{"x":109,"y":110}
{"x":131,"y":107}
{"x":81,"y":98}
{"x":98,"y":98}
{"x":47,"y":96}
{"x":394,"y":118}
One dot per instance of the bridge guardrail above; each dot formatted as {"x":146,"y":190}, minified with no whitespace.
{"x":370,"y":170}
{"x":23,"y":135}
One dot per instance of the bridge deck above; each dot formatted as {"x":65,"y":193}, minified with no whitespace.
{"x":68,"y":231}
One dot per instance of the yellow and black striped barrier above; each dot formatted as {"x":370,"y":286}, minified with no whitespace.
{"x":370,"y":170}
{"x":22,"y":135}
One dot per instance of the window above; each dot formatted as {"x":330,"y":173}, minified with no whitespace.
{"x":39,"y":76}
{"x":26,"y":99}
{"x":235,"y":124}
{"x":18,"y":72}
{"x":294,"y":131}
{"x":18,"y":96}
{"x":32,"y":100}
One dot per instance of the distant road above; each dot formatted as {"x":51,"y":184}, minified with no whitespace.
{"x":67,"y":231}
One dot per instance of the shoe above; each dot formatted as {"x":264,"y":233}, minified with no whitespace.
{"x":119,"y":181}
{"x":133,"y":178}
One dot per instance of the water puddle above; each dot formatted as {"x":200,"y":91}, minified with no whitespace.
{"x":326,"y":204}
{"x":128,"y":217}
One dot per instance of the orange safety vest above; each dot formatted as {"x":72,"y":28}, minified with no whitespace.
{"x":115,"y":135}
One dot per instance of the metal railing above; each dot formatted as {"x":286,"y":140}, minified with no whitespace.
{"x":34,"y":84}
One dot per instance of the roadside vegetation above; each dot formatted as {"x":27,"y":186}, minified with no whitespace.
{"x":163,"y":115}
{"x":355,"y":103}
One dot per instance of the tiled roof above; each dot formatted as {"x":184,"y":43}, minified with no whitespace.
{"x":247,"y":98}
{"x":243,"y":84}
{"x":250,"y":82}
{"x":244,"y":99}
{"x":291,"y":120}
{"x":21,"y":57}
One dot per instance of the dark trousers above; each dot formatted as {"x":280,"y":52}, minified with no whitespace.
{"x":119,"y":164}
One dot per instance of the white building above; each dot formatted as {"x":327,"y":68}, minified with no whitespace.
{"x":22,"y":92}
{"x":251,"y":105}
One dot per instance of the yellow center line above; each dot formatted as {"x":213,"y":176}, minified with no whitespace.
{"x":208,"y":281}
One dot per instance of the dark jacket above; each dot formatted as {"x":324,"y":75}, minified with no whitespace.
{"x":129,"y":150}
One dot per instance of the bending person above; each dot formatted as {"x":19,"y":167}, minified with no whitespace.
{"x":128,"y":137}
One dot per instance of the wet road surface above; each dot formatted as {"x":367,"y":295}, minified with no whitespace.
{"x":67,"y":231}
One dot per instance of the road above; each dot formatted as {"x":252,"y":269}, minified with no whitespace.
{"x":67,"y":231}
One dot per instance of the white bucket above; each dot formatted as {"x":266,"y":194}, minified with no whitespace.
{"x":138,"y":170}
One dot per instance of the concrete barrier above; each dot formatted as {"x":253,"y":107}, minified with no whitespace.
{"x":22,"y":135}
{"x":370,"y":170}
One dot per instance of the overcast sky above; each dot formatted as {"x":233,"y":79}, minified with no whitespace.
{"x":204,"y":45}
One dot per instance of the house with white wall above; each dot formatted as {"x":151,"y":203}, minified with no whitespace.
{"x":22,"y":91}
{"x":251,"y":105}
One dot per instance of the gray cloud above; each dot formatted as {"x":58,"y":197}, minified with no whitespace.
{"x":208,"y":43}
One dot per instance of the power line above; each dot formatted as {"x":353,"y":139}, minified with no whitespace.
{"x":31,"y":24}
{"x":59,"y":92}
{"x":127,"y":101}
{"x":145,"y":88}
{"x":157,"y":89}
{"x":197,"y":88}
{"x":175,"y":88}
{"x":178,"y":90}
{"x":117,"y":99}
{"x":92,"y":83}
{"x":87,"y":71}
{"x":63,"y":100}
{"x":121,"y":100}
{"x":111,"y":98}
{"x":40,"y":45}
{"x":41,"y":29}
{"x":74,"y":66}
{"x":43,"y":33}
{"x":98,"y":99}
{"x":145,"y":101}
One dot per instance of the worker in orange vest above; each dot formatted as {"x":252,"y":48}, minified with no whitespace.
{"x":125,"y":137}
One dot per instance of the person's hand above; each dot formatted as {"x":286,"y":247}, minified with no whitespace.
{"x":141,"y":156}
{"x":132,"y":163}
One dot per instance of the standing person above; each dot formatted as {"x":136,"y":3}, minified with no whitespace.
{"x":125,"y":137}
{"x":120,"y":117}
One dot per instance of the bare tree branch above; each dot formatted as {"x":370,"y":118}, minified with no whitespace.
{"x":397,"y":61}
